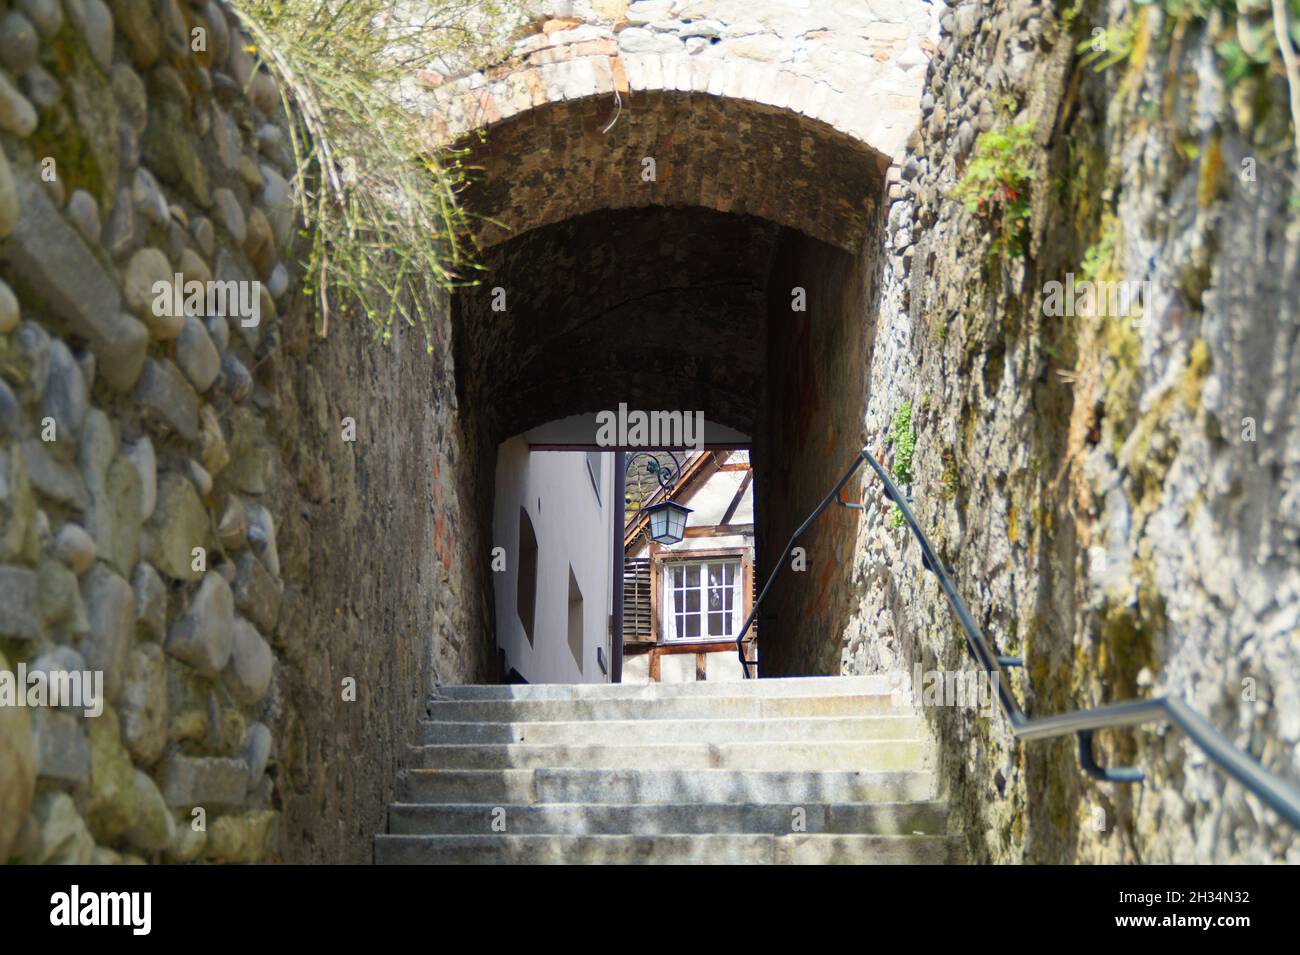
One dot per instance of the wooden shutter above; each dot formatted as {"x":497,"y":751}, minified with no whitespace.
{"x":638,"y":627}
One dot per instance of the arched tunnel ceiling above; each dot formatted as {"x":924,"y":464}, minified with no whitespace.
{"x":662,"y":308}
{"x":569,"y":158}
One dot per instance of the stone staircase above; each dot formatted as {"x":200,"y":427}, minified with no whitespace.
{"x":806,"y":770}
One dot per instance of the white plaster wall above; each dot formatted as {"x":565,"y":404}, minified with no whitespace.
{"x":725,"y":667}
{"x":710,"y":502}
{"x":573,"y":529}
{"x":636,"y":668}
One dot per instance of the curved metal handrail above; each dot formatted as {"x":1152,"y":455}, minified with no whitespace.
{"x":1268,"y":786}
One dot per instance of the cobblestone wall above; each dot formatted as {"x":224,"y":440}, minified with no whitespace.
{"x":1116,"y":492}
{"x":190,"y":503}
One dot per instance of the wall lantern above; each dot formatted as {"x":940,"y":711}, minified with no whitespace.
{"x":667,"y":521}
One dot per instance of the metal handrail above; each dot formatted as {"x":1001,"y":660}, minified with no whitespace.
{"x":1268,"y":786}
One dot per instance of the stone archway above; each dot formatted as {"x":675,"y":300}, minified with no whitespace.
{"x":642,"y":217}
{"x":731,"y":154}
{"x":728,"y":99}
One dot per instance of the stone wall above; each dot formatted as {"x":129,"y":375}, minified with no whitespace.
{"x":254,"y":533}
{"x":818,"y":352}
{"x":1095,"y":481}
{"x":814,"y":59}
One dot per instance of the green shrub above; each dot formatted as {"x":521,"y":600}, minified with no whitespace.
{"x":382,"y":226}
{"x":903,"y":439}
{"x":996,"y":184}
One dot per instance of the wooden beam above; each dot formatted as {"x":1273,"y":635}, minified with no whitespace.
{"x":735,"y":501}
{"x":716,"y":530}
{"x":698,"y":646}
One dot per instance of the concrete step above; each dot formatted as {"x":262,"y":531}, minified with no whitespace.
{"x":692,"y":773}
{"x":501,"y":786}
{"x":808,"y":729}
{"x":882,"y":818}
{"x":654,"y":708}
{"x":879,"y":755}
{"x":787,"y":686}
{"x":735,"y":849}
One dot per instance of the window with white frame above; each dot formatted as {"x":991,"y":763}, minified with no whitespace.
{"x":702,"y":599}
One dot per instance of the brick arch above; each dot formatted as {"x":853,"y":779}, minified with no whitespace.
{"x":566,"y":132}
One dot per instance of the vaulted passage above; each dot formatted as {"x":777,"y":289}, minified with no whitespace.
{"x":657,"y":307}
{"x":684,"y":253}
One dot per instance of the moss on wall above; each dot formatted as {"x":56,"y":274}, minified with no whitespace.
{"x":81,"y":135}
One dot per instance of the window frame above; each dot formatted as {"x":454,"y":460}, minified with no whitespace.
{"x":668,"y":589}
